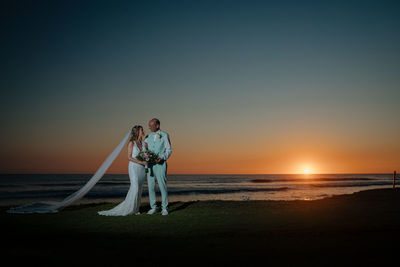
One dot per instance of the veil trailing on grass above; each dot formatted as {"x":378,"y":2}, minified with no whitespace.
{"x":48,"y":207}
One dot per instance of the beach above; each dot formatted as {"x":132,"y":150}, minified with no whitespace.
{"x":355,"y":228}
{"x":18,"y":189}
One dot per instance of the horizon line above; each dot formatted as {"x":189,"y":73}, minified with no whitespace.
{"x":217,"y":173}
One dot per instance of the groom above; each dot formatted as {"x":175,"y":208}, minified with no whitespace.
{"x":158,"y":142}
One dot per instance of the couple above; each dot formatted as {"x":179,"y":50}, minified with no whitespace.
{"x":158,"y":142}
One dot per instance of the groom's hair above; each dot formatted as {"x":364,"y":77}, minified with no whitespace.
{"x":157,"y":121}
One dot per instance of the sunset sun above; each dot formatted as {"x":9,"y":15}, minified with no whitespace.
{"x":306,"y":170}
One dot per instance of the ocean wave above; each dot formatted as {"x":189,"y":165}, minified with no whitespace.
{"x":351,"y":184}
{"x":225,"y":190}
{"x":338,"y":179}
{"x":172,"y":192}
{"x":116,"y":193}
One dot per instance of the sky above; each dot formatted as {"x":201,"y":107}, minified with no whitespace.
{"x":242,"y":87}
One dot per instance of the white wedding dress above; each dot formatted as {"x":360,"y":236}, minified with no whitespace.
{"x":137,"y":176}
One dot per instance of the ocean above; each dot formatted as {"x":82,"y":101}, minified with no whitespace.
{"x":16,"y":189}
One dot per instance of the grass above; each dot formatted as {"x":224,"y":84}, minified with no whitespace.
{"x":357,"y":228}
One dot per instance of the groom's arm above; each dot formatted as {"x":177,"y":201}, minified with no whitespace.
{"x":168,"y":149}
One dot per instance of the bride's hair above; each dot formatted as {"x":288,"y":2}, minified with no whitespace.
{"x":135,"y":133}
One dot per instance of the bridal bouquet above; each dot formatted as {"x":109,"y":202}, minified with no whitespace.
{"x":149,"y":156}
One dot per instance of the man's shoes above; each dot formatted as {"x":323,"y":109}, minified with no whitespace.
{"x":152,"y":211}
{"x":164,"y":212}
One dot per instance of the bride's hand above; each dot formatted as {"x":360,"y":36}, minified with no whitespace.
{"x":144,"y":163}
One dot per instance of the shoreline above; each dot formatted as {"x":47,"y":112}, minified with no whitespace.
{"x":92,"y":202}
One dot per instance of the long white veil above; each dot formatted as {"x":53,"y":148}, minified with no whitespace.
{"x":47,"y":207}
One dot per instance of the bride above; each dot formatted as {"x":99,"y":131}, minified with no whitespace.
{"x":137,"y":176}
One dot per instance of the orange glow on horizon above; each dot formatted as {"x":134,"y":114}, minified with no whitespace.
{"x":281,"y":155}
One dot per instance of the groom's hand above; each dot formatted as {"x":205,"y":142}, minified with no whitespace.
{"x":159,"y":160}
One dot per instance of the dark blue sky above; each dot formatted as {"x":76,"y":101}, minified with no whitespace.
{"x":296,"y":71}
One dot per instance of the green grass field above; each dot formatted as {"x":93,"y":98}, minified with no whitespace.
{"x":362,"y":227}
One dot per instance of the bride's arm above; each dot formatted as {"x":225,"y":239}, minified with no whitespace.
{"x":130,"y":148}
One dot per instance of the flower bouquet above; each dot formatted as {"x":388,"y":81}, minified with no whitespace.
{"x":149,"y":156}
